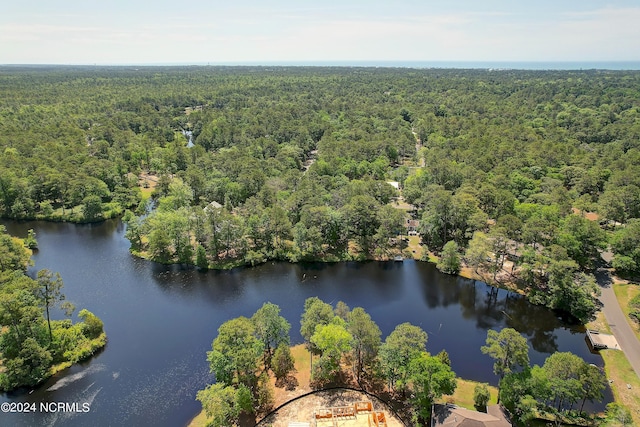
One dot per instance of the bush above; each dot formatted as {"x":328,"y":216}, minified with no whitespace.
{"x":634,"y":308}
{"x":265,"y":394}
{"x":282,"y":363}
{"x":30,"y":241}
{"x":623,"y":264}
{"x":255,"y":258}
{"x":618,"y":415}
{"x":92,"y":326}
{"x":481,"y":397}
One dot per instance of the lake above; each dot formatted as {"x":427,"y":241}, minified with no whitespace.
{"x":161,"y":320}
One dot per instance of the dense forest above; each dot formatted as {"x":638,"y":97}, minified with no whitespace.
{"x":538,"y":170}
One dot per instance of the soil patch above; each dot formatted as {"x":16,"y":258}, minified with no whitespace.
{"x":302,"y":410}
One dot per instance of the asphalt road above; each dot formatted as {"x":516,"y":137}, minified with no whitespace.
{"x":618,"y":321}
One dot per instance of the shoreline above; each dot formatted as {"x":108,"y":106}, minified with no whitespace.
{"x":617,"y":368}
{"x":463,"y":395}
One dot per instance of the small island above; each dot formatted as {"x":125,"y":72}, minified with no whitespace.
{"x":32,"y":346}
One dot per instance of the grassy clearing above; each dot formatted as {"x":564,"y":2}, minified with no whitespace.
{"x":624,"y":293}
{"x":599,"y":323}
{"x":463,"y":396}
{"x":200,"y":420}
{"x":302,"y":362}
{"x":617,"y":368}
{"x":146,"y":193}
{"x":620,"y":373}
{"x":415,"y":247}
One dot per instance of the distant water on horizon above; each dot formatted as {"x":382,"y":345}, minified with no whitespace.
{"x":498,"y":65}
{"x":478,"y":65}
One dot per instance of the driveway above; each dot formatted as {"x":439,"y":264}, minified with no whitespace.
{"x":618,"y":321}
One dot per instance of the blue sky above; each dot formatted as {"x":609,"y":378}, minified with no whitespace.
{"x":199,"y":31}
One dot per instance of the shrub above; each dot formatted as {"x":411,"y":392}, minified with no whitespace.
{"x":92,"y":326}
{"x":634,"y":308}
{"x":481,"y":397}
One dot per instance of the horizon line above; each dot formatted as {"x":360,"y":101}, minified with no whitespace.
{"x":622,"y":65}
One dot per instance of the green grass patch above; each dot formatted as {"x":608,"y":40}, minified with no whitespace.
{"x":463,"y":396}
{"x":200,"y":420}
{"x":599,"y":323}
{"x":146,"y":193}
{"x":619,"y":371}
{"x":625,"y":292}
{"x":415,"y":248}
{"x":301,"y":357}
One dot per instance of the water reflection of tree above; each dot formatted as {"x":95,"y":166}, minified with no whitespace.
{"x":480,"y":302}
{"x":536,"y":322}
{"x":493,"y":308}
{"x":442,"y":290}
{"x":217,"y":287}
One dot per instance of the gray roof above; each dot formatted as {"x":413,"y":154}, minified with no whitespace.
{"x":454,"y":416}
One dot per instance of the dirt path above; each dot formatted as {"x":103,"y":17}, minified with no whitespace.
{"x":418,"y":146}
{"x":618,"y":321}
{"x":313,"y":156}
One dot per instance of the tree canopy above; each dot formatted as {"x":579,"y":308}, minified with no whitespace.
{"x":32,"y":346}
{"x":292,"y":163}
{"x":509,"y":350}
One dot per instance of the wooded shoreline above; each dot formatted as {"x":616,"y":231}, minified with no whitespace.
{"x":305,"y":163}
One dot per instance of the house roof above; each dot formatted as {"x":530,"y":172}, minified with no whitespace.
{"x":454,"y":416}
{"x":412,"y":223}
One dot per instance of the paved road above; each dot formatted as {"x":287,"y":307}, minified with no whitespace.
{"x":618,"y":321}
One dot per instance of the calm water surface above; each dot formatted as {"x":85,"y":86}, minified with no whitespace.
{"x":161,"y":320}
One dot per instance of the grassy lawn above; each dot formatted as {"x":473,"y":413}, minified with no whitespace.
{"x":415,"y":247}
{"x":463,"y":395}
{"x":200,"y":420}
{"x":599,"y":324}
{"x":302,"y":362}
{"x":146,"y":193}
{"x":624,"y":293}
{"x":621,"y":373}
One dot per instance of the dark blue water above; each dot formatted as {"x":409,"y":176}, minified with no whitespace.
{"x":161,"y":321}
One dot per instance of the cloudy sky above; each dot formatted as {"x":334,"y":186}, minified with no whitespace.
{"x":263,"y":31}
